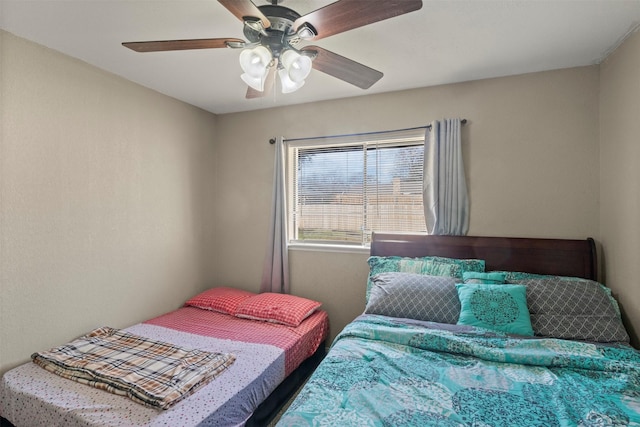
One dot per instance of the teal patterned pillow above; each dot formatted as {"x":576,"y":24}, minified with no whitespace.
{"x":497,"y":307}
{"x":493,"y":278}
{"x":465,"y":264}
{"x":510,"y":276}
{"x":432,"y":265}
{"x":436,"y":268}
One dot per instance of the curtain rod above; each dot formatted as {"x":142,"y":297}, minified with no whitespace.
{"x":462,"y":122}
{"x":273,"y":140}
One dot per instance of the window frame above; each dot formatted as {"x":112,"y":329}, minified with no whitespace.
{"x":386,"y":139}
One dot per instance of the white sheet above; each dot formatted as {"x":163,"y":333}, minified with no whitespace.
{"x":226,"y":401}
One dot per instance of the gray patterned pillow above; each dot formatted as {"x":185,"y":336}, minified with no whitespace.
{"x":414,"y":296}
{"x":575,"y":309}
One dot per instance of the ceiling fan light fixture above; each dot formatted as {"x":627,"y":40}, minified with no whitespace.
{"x":287,"y":84}
{"x":255,"y":61}
{"x":297,"y":66}
{"x":273,"y":31}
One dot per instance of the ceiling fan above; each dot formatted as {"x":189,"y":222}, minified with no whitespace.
{"x":274,"y":32}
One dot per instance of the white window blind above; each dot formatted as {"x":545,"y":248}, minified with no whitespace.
{"x":340,"y":189}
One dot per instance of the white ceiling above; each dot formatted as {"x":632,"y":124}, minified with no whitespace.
{"x":446,"y":41}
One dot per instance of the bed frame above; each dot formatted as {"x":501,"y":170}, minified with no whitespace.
{"x":561,"y":257}
{"x":271,"y":406}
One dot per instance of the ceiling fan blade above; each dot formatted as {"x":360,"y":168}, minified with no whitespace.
{"x":344,"y":15}
{"x":163,"y":45}
{"x":242,"y":9}
{"x":269,"y":85}
{"x":343,"y":68}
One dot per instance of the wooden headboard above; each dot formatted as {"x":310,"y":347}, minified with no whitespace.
{"x":560,"y":257}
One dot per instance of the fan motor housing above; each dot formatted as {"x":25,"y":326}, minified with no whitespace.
{"x":281,"y":19}
{"x":279,"y":13}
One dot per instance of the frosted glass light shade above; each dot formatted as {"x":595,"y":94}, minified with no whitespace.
{"x":255,"y":62}
{"x":288,"y":85}
{"x":298,"y":66}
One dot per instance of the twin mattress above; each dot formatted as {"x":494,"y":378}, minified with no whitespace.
{"x":265,"y":353}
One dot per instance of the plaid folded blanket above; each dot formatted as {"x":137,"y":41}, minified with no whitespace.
{"x":149,"y":372}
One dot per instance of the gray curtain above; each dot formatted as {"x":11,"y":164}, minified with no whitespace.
{"x":446,"y":203}
{"x":275,"y":273}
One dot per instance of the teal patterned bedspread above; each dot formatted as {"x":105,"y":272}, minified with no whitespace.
{"x":383,"y":371}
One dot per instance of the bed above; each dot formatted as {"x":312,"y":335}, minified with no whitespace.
{"x":263,"y":347}
{"x":445,"y":340}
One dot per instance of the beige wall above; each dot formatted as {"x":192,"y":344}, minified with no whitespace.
{"x":104,"y":190}
{"x":531,"y":151}
{"x":620,"y":177}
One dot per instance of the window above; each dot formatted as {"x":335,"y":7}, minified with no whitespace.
{"x":340,"y":189}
